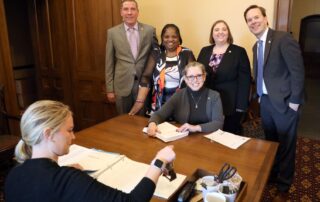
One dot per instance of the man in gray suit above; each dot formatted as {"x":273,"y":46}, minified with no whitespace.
{"x":279,"y":74}
{"x":128,"y":47}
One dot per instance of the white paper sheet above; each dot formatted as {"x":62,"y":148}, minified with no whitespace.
{"x":227,"y":139}
{"x":117,"y":170}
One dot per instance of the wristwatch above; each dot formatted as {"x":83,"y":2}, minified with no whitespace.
{"x":159,"y":164}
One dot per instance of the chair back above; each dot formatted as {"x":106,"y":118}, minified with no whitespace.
{"x":7,"y":141}
{"x":4,"y":129}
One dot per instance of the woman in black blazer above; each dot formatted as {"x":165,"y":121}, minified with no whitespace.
{"x":228,"y":72}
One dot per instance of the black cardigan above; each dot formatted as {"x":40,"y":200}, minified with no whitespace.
{"x":44,"y":180}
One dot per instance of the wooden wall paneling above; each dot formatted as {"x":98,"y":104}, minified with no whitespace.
{"x":116,"y":17}
{"x":61,"y":67}
{"x":36,"y":38}
{"x":52,"y":51}
{"x":6,"y":71}
{"x":70,"y":41}
{"x":90,"y":20}
{"x":43,"y":47}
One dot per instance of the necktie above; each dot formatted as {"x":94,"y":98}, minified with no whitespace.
{"x":260,"y":67}
{"x":133,"y":40}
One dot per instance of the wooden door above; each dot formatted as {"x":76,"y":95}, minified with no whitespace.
{"x":49,"y":25}
{"x":90,"y":21}
{"x":70,"y":41}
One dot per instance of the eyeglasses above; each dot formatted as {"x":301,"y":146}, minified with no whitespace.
{"x":199,"y":77}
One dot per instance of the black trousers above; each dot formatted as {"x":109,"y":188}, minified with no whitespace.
{"x":281,"y":128}
{"x":232,"y":123}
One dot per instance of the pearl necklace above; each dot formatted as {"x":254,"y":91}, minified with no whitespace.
{"x":196,"y":103}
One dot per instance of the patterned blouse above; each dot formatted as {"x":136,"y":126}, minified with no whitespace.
{"x":164,"y":75}
{"x":214,"y":62}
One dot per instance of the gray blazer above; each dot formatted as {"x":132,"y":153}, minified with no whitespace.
{"x":283,"y":69}
{"x":121,"y":67}
{"x":178,"y":106}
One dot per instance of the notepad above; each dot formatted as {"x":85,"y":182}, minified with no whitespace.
{"x":168,"y":132}
{"x":227,"y":139}
{"x":116,"y":170}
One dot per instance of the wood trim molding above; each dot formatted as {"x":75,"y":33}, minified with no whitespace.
{"x":283,"y":15}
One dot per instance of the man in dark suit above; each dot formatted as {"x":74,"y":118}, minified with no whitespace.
{"x":280,"y":87}
{"x":128,"y":47}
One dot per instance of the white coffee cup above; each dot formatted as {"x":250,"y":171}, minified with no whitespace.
{"x":214,"y":197}
{"x":209,"y":184}
{"x":229,"y":197}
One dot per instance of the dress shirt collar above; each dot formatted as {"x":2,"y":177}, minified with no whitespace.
{"x":126,"y":27}
{"x":264,"y":35}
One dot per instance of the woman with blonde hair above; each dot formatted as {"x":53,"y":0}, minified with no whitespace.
{"x":196,"y":107}
{"x":47,"y":133}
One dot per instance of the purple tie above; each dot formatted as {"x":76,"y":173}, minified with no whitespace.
{"x":260,"y":67}
{"x":133,"y":40}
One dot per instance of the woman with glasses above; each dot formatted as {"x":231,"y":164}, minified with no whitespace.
{"x":228,"y":72}
{"x":163,"y":73}
{"x":196,"y":107}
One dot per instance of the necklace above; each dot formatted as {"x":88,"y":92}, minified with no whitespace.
{"x":196,"y":103}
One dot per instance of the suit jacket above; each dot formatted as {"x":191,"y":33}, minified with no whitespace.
{"x":232,"y":79}
{"x":283,"y":70}
{"x":178,"y":107}
{"x":121,"y":67}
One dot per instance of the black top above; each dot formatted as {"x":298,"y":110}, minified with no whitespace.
{"x":231,"y":79}
{"x":44,"y":180}
{"x":198,"y":107}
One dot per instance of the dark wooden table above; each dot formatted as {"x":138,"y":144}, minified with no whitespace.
{"x":123,"y":134}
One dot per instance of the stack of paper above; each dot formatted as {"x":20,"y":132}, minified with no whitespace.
{"x":117,"y":170}
{"x":227,"y":139}
{"x":168,"y":132}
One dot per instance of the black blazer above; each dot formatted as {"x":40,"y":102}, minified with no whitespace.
{"x":283,"y":70}
{"x":232,"y":79}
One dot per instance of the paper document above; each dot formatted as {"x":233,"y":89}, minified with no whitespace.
{"x":117,"y":171}
{"x":168,"y":132}
{"x":89,"y":159}
{"x":227,"y":139}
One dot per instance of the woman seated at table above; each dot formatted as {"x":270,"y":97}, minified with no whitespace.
{"x":198,"y":108}
{"x":164,"y":68}
{"x":47,"y":133}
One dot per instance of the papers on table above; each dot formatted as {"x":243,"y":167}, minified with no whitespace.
{"x":227,"y":139}
{"x":126,"y":174}
{"x":89,"y":159}
{"x":117,"y":171}
{"x":168,"y":132}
